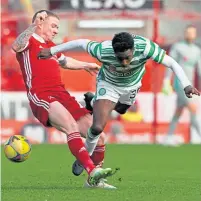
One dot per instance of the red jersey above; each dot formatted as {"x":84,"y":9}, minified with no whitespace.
{"x":39,"y":74}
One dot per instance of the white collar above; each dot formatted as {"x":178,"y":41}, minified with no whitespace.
{"x":39,"y":38}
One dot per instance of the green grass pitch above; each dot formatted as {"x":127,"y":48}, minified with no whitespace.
{"x":147,"y":173}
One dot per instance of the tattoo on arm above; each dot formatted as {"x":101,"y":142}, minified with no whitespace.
{"x":23,"y":38}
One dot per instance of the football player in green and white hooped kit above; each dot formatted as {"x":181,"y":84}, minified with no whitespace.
{"x":123,"y":65}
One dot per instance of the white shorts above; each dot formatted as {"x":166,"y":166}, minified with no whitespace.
{"x":124,"y":95}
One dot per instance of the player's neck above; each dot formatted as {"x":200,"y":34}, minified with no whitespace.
{"x":40,"y":36}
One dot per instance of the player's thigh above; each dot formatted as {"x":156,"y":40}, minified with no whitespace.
{"x":106,"y":98}
{"x":60,"y":118}
{"x":84,"y":123}
{"x":101,"y":112}
{"x":73,"y":106}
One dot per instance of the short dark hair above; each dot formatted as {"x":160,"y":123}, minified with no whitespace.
{"x":49,"y":13}
{"x":122,"y":41}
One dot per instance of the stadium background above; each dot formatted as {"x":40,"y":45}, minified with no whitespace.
{"x":147,"y":172}
{"x":161,"y":21}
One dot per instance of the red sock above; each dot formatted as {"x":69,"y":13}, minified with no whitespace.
{"x":98,"y":155}
{"x":77,"y":148}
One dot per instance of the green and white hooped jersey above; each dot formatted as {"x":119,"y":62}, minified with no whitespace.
{"x":113,"y":72}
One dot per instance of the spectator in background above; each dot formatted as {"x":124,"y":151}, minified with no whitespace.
{"x":188,"y":55}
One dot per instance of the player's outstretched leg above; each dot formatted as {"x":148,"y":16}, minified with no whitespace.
{"x":58,"y":116}
{"x":97,"y":158}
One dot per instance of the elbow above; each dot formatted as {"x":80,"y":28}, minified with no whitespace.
{"x":170,"y":62}
{"x":14,"y":48}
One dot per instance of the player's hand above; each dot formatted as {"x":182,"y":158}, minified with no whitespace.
{"x":40,"y":18}
{"x":44,"y":53}
{"x":190,"y":90}
{"x":167,"y":88}
{"x":92,"y":68}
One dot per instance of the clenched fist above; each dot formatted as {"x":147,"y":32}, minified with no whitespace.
{"x":40,"y":18}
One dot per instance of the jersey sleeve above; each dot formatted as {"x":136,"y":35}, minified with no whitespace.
{"x":94,"y":49}
{"x":154,"y":51}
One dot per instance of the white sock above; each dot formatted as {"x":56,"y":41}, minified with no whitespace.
{"x":91,"y":142}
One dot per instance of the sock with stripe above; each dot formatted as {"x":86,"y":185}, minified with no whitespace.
{"x":78,"y":149}
{"x":91,"y":142}
{"x":98,"y":155}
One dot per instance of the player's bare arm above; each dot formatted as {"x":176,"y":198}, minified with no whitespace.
{"x":177,"y":69}
{"x":47,"y":53}
{"x":22,"y":40}
{"x":73,"y":64}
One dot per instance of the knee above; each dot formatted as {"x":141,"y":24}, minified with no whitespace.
{"x":70,"y":128}
{"x":96,"y":129}
{"x":101,"y":140}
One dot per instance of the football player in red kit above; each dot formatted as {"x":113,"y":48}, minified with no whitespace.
{"x":51,"y":104}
